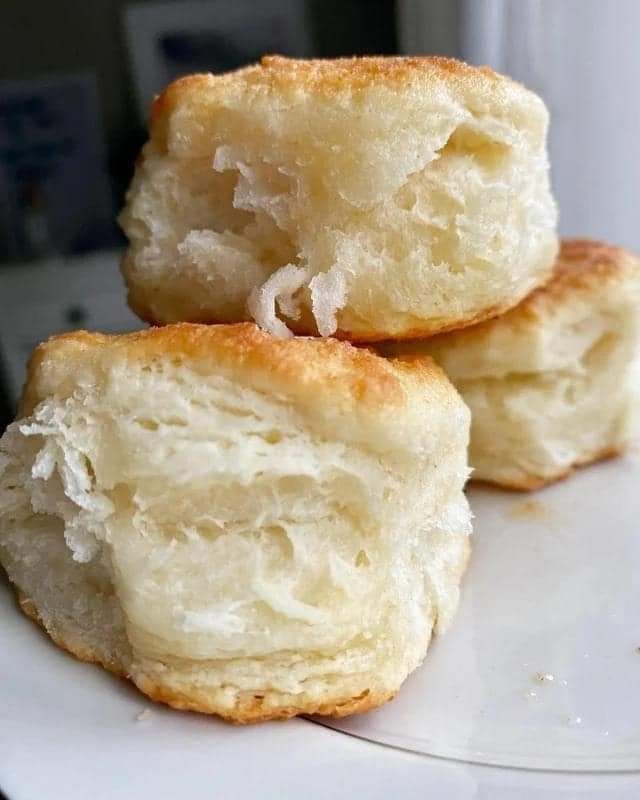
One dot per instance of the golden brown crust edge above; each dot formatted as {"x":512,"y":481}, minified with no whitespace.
{"x":413,"y":334}
{"x":141,"y":310}
{"x":582,"y":266}
{"x":532,"y":483}
{"x":331,"y":77}
{"x":247,"y":710}
{"x":256,"y":708}
{"x":367,"y":379}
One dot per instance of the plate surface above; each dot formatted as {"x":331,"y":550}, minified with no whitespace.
{"x":553,"y":588}
{"x":541,"y":668}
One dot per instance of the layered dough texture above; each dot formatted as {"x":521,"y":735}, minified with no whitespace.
{"x":242,"y":526}
{"x":555,"y":382}
{"x":369,"y":198}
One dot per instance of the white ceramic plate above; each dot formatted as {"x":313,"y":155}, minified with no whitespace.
{"x":553,"y":588}
{"x":541,"y":668}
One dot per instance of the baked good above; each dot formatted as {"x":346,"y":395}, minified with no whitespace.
{"x":241,"y":525}
{"x":371,"y":198}
{"x":553,"y":383}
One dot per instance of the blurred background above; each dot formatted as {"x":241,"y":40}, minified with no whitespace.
{"x":76,"y":80}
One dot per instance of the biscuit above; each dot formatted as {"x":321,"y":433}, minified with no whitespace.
{"x":241,"y":525}
{"x":370,"y":198}
{"x":553,"y":383}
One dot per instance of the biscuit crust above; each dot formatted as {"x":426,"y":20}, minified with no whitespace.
{"x":334,"y":77}
{"x":331,"y":382}
{"x":240,"y":525}
{"x":584,"y":270}
{"x":248,"y":708}
{"x":303,"y":363}
{"x":586,"y":273}
{"x":347,"y":197}
{"x":551,"y":382}
{"x":583,"y":266}
{"x":532,"y":483}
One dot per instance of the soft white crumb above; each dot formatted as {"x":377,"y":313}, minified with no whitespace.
{"x":144,"y":715}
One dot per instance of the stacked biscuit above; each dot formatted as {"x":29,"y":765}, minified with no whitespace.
{"x":553,"y":383}
{"x":262,"y":523}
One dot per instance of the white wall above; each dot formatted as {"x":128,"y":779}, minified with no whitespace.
{"x":583,"y":57}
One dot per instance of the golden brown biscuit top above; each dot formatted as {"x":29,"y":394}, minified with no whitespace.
{"x":312,"y":372}
{"x":583,"y":264}
{"x":583,"y":268}
{"x":341,"y":76}
{"x":359,"y":71}
{"x":589,"y":278}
